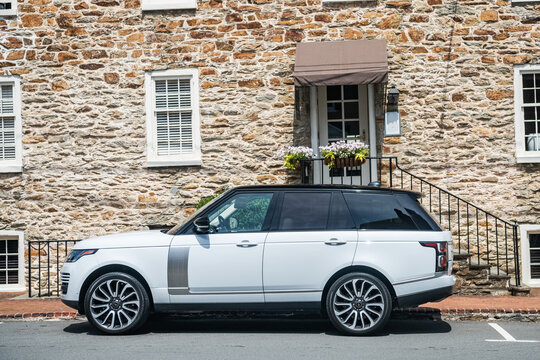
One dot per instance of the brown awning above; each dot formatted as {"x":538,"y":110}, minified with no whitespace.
{"x":341,"y":63}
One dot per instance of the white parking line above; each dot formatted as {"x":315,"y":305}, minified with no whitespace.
{"x":506,"y":335}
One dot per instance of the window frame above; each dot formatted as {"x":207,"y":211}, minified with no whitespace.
{"x":9,"y":12}
{"x":20,"y":286}
{"x":522,"y":156}
{"x":151,"y":5}
{"x":14,"y":166}
{"x":152,"y":157}
{"x":525,"y":230}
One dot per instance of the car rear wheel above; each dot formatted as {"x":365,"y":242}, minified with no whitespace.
{"x":117,"y":303}
{"x":358,"y":304}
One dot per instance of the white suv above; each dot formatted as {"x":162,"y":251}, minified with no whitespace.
{"x":350,"y":252}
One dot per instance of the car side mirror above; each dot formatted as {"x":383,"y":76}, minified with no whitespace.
{"x":202,"y":225}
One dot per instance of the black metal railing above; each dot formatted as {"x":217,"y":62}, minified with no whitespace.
{"x":488,"y":239}
{"x":45,"y":259}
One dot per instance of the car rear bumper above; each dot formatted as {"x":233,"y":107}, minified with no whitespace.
{"x":74,"y":304}
{"x":425,"y":296}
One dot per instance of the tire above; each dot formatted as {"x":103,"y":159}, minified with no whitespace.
{"x":117,"y":303}
{"x":362,"y":311}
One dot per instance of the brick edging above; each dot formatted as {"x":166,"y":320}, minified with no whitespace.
{"x":457,"y":311}
{"x":51,"y":315}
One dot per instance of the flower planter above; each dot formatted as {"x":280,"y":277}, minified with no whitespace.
{"x":348,"y":162}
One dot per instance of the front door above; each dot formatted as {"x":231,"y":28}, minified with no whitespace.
{"x":343,"y":115}
{"x":226,"y":264}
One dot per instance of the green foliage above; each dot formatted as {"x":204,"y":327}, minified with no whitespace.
{"x":251,"y":217}
{"x":207,"y":199}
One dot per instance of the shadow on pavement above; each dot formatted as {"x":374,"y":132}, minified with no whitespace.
{"x":278,"y":324}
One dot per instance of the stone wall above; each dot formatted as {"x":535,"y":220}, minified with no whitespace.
{"x":82,"y":66}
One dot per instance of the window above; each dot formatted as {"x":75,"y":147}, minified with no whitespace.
{"x":8,"y":7}
{"x":378,"y":212}
{"x":241,"y":213}
{"x":340,"y":216}
{"x":172,"y":118}
{"x":11,"y":260}
{"x":527,"y":112}
{"x":168,"y":4}
{"x":530,"y":254}
{"x":304,"y":211}
{"x":10,"y":125}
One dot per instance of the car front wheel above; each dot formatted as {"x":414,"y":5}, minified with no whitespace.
{"x":117,"y":303}
{"x":358,"y":304}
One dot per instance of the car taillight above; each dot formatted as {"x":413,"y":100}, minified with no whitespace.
{"x":441,"y":254}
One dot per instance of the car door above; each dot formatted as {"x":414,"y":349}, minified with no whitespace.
{"x":313,"y":236}
{"x":224,"y":265}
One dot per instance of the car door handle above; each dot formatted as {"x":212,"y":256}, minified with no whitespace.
{"x":246,"y":244}
{"x":335,"y":242}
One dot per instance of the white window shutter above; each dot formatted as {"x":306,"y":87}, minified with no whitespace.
{"x":7,"y":123}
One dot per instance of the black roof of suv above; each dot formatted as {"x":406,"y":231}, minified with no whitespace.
{"x":326,"y":187}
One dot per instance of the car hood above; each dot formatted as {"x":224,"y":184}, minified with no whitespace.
{"x":125,"y":240}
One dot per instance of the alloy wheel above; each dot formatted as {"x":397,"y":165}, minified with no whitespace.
{"x":358,"y":304}
{"x":114,"y":304}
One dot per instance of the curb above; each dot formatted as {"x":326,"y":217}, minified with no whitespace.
{"x":525,"y":315}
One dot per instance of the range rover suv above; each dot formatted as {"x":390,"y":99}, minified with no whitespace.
{"x":352,"y":253}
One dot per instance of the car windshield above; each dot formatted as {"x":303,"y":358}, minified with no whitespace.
{"x":175,"y":229}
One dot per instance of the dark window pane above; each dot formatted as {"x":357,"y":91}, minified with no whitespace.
{"x":3,"y":246}
{"x":352,"y":129}
{"x":336,"y":172}
{"x":535,"y":272}
{"x":351,"y":110}
{"x":350,"y":92}
{"x":534,"y":240}
{"x":333,"y":92}
{"x":304,"y":211}
{"x":530,"y":127}
{"x":538,"y":80}
{"x":13,"y":277}
{"x":528,"y":80}
{"x":335,"y":130}
{"x":538,"y":95}
{"x":3,"y":262}
{"x":241,"y":213}
{"x":13,"y":246}
{"x":3,"y":278}
{"x":334,"y":111}
{"x":340,"y":217}
{"x":528,"y":113}
{"x":13,"y":262}
{"x":528,"y":96}
{"x":378,"y":212}
{"x":535,"y":256}
{"x":531,"y":143}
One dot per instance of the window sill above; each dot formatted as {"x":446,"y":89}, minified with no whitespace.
{"x":10,"y":169}
{"x":13,"y":288}
{"x":167,"y":163}
{"x":524,"y":159}
{"x":150,"y":5}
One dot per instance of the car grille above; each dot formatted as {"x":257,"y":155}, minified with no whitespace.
{"x":64,"y":277}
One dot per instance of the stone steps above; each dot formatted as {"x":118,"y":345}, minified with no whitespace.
{"x":479,"y":278}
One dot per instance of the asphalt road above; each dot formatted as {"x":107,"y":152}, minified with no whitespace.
{"x":173,"y":338}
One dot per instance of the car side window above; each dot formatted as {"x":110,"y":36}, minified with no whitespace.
{"x":241,"y":213}
{"x":340,"y":216}
{"x":304,"y":210}
{"x":378,"y":212}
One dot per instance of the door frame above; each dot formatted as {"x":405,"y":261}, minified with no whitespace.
{"x":314,"y":108}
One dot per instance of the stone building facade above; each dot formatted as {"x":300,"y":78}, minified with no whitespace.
{"x":81,"y":66}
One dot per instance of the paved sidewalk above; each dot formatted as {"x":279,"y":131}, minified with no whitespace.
{"x":16,"y":306}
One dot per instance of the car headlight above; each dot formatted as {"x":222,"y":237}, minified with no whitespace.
{"x":77,"y":254}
